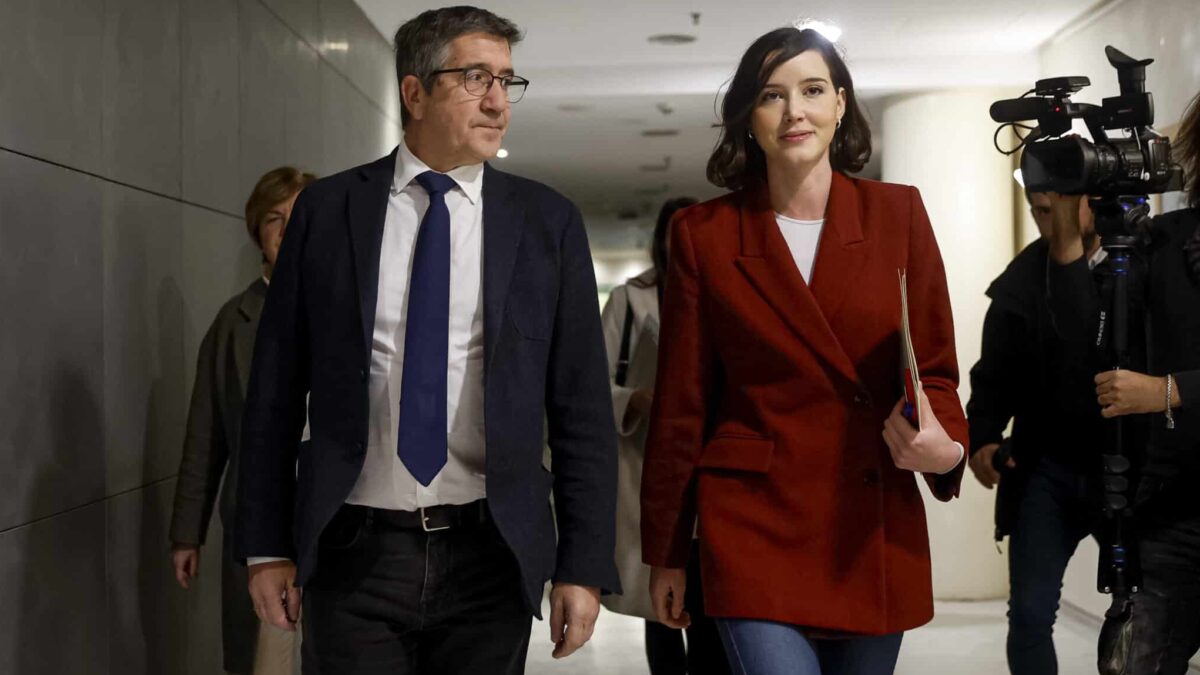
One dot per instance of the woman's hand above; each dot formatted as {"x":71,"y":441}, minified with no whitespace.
{"x":185,"y":560}
{"x":667,"y":585}
{"x":930,"y":450}
{"x":1124,"y":392}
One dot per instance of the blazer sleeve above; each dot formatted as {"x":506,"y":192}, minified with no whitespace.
{"x":274,"y":413}
{"x":933,"y":340}
{"x":613,"y":320}
{"x":582,"y":438}
{"x":680,"y":413}
{"x":205,"y":448}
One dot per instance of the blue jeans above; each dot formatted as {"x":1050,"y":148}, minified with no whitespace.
{"x":1055,"y":515}
{"x":769,"y":648}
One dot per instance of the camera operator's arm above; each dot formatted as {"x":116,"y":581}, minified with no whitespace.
{"x":1070,"y":288}
{"x":996,"y":383}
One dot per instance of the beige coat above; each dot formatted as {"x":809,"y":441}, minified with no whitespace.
{"x":642,"y":296}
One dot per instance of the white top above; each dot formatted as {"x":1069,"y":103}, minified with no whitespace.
{"x":384,"y":481}
{"x":802,"y":237}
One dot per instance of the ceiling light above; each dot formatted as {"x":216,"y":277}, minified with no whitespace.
{"x":502,"y":153}
{"x":830,"y":31}
{"x":336,"y":46}
{"x":672,"y":39}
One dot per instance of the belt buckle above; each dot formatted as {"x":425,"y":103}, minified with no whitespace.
{"x":425,"y":523}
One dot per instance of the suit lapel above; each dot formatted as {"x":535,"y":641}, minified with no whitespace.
{"x":367,"y":211}
{"x":768,"y":263}
{"x":839,"y":261}
{"x":503,"y":220}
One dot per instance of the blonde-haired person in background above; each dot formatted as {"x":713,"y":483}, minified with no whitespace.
{"x":211,"y":444}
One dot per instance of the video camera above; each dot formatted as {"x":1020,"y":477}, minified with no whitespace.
{"x":1137,"y":165}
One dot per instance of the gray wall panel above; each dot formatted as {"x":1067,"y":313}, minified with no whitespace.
{"x":51,"y":96}
{"x":140,"y":111}
{"x":110,"y":281}
{"x":147,"y":610}
{"x":210,"y":104}
{"x":302,"y":16}
{"x":52,"y":611}
{"x":51,"y":353}
{"x":144,"y":399}
{"x":219,"y":261}
{"x":345,"y":25}
{"x":280,"y":97}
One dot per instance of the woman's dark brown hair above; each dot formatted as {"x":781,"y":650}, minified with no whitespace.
{"x":737,"y":160}
{"x":662,"y":230}
{"x":275,"y":186}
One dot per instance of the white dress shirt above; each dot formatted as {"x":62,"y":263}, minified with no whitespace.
{"x":384,"y":481}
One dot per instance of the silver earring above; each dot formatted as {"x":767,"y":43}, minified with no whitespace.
{"x":750,"y":134}
{"x":839,"y":123}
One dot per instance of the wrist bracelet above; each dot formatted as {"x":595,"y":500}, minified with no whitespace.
{"x":1170,"y":389}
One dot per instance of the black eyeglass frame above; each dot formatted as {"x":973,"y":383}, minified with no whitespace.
{"x":506,"y":81}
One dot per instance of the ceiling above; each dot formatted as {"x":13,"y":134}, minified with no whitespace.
{"x":598,"y":83}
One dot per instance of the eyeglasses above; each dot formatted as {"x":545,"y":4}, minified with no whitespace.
{"x":478,"y":82}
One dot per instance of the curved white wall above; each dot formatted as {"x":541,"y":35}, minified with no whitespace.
{"x":941,"y":142}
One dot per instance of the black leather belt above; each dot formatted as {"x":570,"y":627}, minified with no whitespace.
{"x":430,"y":518}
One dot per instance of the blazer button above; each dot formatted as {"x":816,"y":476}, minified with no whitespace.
{"x":362,"y":373}
{"x":870,"y":478}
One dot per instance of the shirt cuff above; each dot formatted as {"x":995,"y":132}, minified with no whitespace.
{"x":962,"y":452}
{"x":250,"y":562}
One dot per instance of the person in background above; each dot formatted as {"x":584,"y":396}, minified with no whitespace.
{"x":778,"y":416}
{"x":1048,"y":469}
{"x":1155,"y":631}
{"x":210,"y":449}
{"x":630,"y":328}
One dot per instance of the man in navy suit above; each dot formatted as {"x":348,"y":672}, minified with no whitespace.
{"x":438,"y":313}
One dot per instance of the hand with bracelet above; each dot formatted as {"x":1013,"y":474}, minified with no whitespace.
{"x":1124,"y":392}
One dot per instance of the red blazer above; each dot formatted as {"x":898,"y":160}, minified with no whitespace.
{"x":770,"y":400}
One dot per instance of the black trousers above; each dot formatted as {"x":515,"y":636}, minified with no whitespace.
{"x":704,"y":653}
{"x":1156,"y":631}
{"x":405,"y":602}
{"x":1055,"y":514}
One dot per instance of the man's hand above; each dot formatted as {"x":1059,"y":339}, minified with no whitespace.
{"x":930,"y":450}
{"x":667,"y":586}
{"x":1066,"y":231}
{"x":276,"y":600}
{"x":983,"y":468}
{"x":573,"y":612}
{"x":185,"y":560}
{"x":1124,"y":392}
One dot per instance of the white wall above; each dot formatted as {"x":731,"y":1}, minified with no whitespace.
{"x":941,"y":142}
{"x":1169,"y":32}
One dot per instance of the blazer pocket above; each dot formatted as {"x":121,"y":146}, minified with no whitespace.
{"x":529,"y":322}
{"x":738,"y":453}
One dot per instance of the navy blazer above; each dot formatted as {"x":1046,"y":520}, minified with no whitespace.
{"x":544,"y":366}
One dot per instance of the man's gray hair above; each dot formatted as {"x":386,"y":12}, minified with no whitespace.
{"x":422,"y":42}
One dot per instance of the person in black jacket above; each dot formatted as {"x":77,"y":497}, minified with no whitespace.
{"x":1047,"y":470}
{"x":1156,"y":630}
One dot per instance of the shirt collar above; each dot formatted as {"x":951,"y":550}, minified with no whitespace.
{"x":1097,"y":258}
{"x":469,"y":178}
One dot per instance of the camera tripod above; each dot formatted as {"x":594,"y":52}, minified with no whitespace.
{"x":1121,"y":223}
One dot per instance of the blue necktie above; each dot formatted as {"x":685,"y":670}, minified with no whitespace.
{"x":422,"y":439}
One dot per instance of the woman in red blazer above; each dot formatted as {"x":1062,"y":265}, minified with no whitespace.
{"x":776,"y":420}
